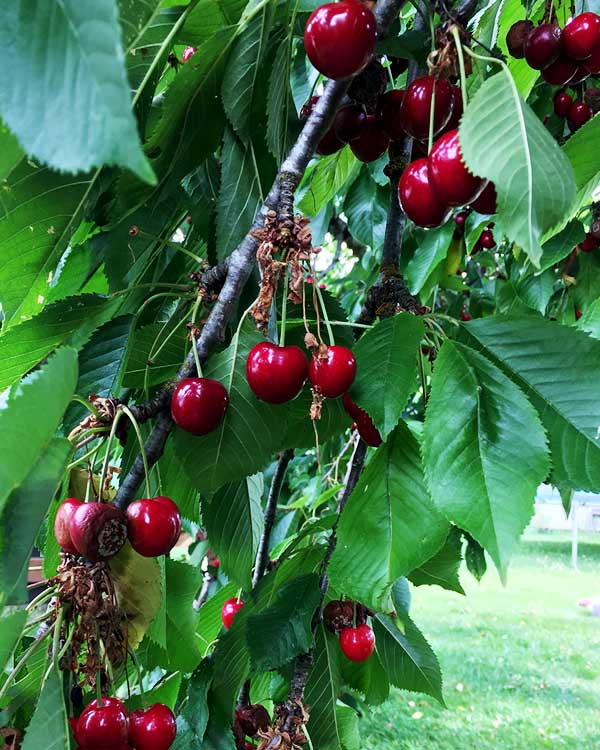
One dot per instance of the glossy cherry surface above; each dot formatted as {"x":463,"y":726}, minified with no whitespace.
{"x":187,"y":53}
{"x":543,"y":46}
{"x":62,"y":523}
{"x":364,"y":424}
{"x":457,"y":111}
{"x":276,"y":374}
{"x":357,"y":643}
{"x":329,"y":143}
{"x":198,"y":405}
{"x":152,"y":729}
{"x":451,"y":180}
{"x":229,"y":610}
{"x":581,"y":36}
{"x":390,"y":119}
{"x":560,"y":72}
{"x":98,"y":530}
{"x":486,"y":201}
{"x":153,"y":526}
{"x":517,"y":36}
{"x":101,"y":727}
{"x":417,"y":104}
{"x":417,"y":197}
{"x":350,"y":123}
{"x":333,"y":373}
{"x":562,"y":103}
{"x":339,"y":38}
{"x":486,"y":239}
{"x":579,"y":114}
{"x":372,"y":142}
{"x":592,"y":64}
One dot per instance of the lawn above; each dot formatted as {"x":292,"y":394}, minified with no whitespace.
{"x":521,"y":664}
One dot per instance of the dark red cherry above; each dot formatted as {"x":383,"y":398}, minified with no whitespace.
{"x":364,"y":424}
{"x":252,"y":719}
{"x":230,"y":608}
{"x":389,"y":114}
{"x":588,"y":244}
{"x":153,"y":526}
{"x":276,"y":374}
{"x":339,"y":38}
{"x":329,"y":143}
{"x":578,"y":313}
{"x":417,"y":104}
{"x":486,"y":239}
{"x":152,"y":729}
{"x":357,"y":643}
{"x":457,"y":111}
{"x":187,"y":53}
{"x":103,"y":727}
{"x":333,"y":371}
{"x":543,"y":46}
{"x":372,"y":143}
{"x":517,"y":36}
{"x":592,"y":64}
{"x":485,"y":203}
{"x":581,"y":36}
{"x":464,"y":315}
{"x":62,"y":524}
{"x":98,"y":530}
{"x":560,"y":72}
{"x":460,"y":219}
{"x":418,"y":200}
{"x":579,"y":114}
{"x":306,"y":109}
{"x":581,"y":74}
{"x":450,"y":179}
{"x":198,"y":405}
{"x":350,"y":123}
{"x":562,"y":103}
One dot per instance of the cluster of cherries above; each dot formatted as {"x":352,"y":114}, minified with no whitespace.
{"x":109,"y":725}
{"x":577,"y":112}
{"x":348,"y":620}
{"x":98,"y":530}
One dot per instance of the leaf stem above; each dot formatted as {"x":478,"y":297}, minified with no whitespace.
{"x":113,"y":430}
{"x":21,"y":663}
{"x":325,"y":315}
{"x":126,"y":410}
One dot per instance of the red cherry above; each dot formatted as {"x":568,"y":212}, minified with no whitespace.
{"x":592,"y":64}
{"x":306,"y":109}
{"x":329,"y":143}
{"x":517,"y":36}
{"x":230,"y":608}
{"x":357,"y":643}
{"x":322,"y":286}
{"x":486,"y":239}
{"x":372,"y":142}
{"x":464,"y":315}
{"x":457,"y":110}
{"x":460,"y":219}
{"x":485,"y":203}
{"x":276,"y":374}
{"x":350,"y":123}
{"x":579,"y":114}
{"x":451,"y":180}
{"x":334,"y":372}
{"x":106,"y":701}
{"x":562,"y":103}
{"x":187,"y":53}
{"x":366,"y":429}
{"x":542,"y":46}
{"x":417,"y":104}
{"x":581,"y":36}
{"x":581,"y":74}
{"x":152,"y":729}
{"x":102,"y":727}
{"x":198,"y":405}
{"x":340,"y":38}
{"x":98,"y":530}
{"x":588,"y":244}
{"x":153,"y":526}
{"x":560,"y":72}
{"x":419,"y":202}
{"x":62,"y":523}
{"x":216,"y":563}
{"x":390,"y":119}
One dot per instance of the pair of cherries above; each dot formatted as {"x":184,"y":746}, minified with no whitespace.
{"x":565,"y":56}
{"x":109,"y":725}
{"x":577,"y":112}
{"x":363,"y":132}
{"x":97,"y":530}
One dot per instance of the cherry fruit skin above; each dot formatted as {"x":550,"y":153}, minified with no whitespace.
{"x":579,"y":114}
{"x":450,"y":179}
{"x":589,"y":244}
{"x":329,"y":143}
{"x":581,"y":74}
{"x":592,"y":64}
{"x":198,"y":405}
{"x":543,"y":46}
{"x":152,"y":729}
{"x":390,"y":119}
{"x":334,"y":373}
{"x":230,"y":608}
{"x":417,"y":197}
{"x":560,"y":72}
{"x":486,"y":239}
{"x":187,"y":53}
{"x":364,"y":424}
{"x":517,"y":36}
{"x":98,"y":530}
{"x":62,"y":523}
{"x":562,"y":103}
{"x":350,"y":123}
{"x":357,"y":643}
{"x":581,"y":36}
{"x":486,"y":201}
{"x":102,"y":727}
{"x":153,"y":526}
{"x":276,"y":374}
{"x":417,"y":104}
{"x":372,"y":143}
{"x":339,"y":38}
{"x":460,"y":219}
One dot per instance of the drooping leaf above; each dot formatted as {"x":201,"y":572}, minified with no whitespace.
{"x":48,"y":727}
{"x":368,"y":678}
{"x":482,"y":474}
{"x":325,"y":178}
{"x":366,"y":208}
{"x":475,"y":558}
{"x":582,"y":154}
{"x":502,"y":139}
{"x":11,"y":627}
{"x":559,"y":246}
{"x":322,"y":689}
{"x":389,"y":525}
{"x":193,"y":718}
{"x":10,"y":152}
{"x":281,"y":113}
{"x":432,"y":249}
{"x":442,"y":569}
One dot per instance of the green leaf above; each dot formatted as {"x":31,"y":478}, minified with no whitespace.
{"x":48,"y":727}
{"x":581,"y":151}
{"x":322,"y":690}
{"x":475,"y":558}
{"x":176,"y":484}
{"x":283,"y":630}
{"x":280,"y":105}
{"x":559,"y":246}
{"x":432,"y":249}
{"x":23,"y":516}
{"x":503,"y":140}
{"x":483,"y":476}
{"x":240,"y":194}
{"x":233,"y":521}
{"x":556,"y":366}
{"x":442,"y":569}
{"x":77,"y":69}
{"x":152,"y":358}
{"x":366,"y":206}
{"x":590,"y":320}
{"x":535,"y":291}
{"x":208,"y":18}
{"x":325,"y":178}
{"x":193,"y":717}
{"x":30,"y":415}
{"x":368,"y":678}
{"x":386,"y":369}
{"x":587,"y":287}
{"x":11,"y":627}
{"x":10,"y":152}
{"x":389,"y":526}
{"x":407,"y":657}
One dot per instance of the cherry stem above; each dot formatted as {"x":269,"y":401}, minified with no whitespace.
{"x":126,"y":410}
{"x":88,"y":406}
{"x":174,"y":245}
{"x":431,"y":118}
{"x":284,"y":307}
{"x":238,"y":596}
{"x":353,"y":614}
{"x":197,"y":304}
{"x":422,"y":376}
{"x":99,"y":688}
{"x":111,"y":436}
{"x":325,"y":316}
{"x":84,"y":458}
{"x":20,"y":664}
{"x":138,"y":671}
{"x":48,"y":594}
{"x":461,"y":64}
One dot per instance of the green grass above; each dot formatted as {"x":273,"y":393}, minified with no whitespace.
{"x":521,"y":664}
